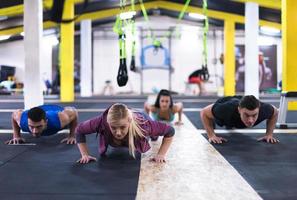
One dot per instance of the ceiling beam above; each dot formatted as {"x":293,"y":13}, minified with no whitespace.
{"x":176,"y":7}
{"x":92,"y":15}
{"x":12,"y":11}
{"x":214,"y":14}
{"x":151,"y":5}
{"x":274,"y":4}
{"x":19,"y":9}
{"x":19,"y":29}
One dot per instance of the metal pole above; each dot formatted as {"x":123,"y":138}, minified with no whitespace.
{"x":170,"y":67}
{"x":141,"y":67}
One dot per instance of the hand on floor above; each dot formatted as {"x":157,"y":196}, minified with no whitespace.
{"x":69,"y":140}
{"x":15,"y":141}
{"x":86,"y":159}
{"x":217,"y":140}
{"x":178,"y":123}
{"x":268,"y":139}
{"x":158,"y":159}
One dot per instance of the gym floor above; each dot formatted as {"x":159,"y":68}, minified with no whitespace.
{"x":240,"y":169}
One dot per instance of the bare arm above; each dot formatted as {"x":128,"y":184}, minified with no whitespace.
{"x":178,"y":107}
{"x":83,"y":149}
{"x":207,"y":119}
{"x":15,"y":122}
{"x":149,"y":108}
{"x":85,"y":157}
{"x":69,"y":116}
{"x":72,"y":119}
{"x":168,"y":133}
{"x":86,"y":127}
{"x":166,"y":142}
{"x":270,"y":124}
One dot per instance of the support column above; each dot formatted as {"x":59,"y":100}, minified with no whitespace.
{"x":229,"y":58}
{"x":251,"y":82}
{"x":32,"y":45}
{"x":86,"y":58}
{"x":67,"y":54}
{"x":289,"y":32}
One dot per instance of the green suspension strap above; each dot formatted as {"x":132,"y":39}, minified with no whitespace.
{"x":205,"y":75}
{"x":175,"y":30}
{"x":156,"y":43}
{"x":116,"y":27}
{"x":132,"y":5}
{"x":181,"y":15}
{"x":122,"y":77}
{"x":133,"y":48}
{"x":144,"y":11}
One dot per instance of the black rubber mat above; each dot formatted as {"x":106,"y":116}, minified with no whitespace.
{"x":271,"y":169}
{"x":9,"y":152}
{"x":48,"y":171}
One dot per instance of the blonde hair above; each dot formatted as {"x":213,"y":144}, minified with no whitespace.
{"x":120,"y":111}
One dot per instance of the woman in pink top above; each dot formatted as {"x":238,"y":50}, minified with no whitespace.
{"x":120,"y":126}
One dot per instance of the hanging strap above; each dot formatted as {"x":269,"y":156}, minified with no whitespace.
{"x":133,"y":29}
{"x":205,"y":73}
{"x":143,"y":11}
{"x":205,"y":32}
{"x":133,"y":46}
{"x":122,"y":45}
{"x":182,"y":13}
{"x":117,"y":25}
{"x":151,"y":36}
{"x":122,"y":77}
{"x":177,"y":30}
{"x":122,"y":5}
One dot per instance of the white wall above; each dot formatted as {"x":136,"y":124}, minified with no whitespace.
{"x":48,"y":43}
{"x":186,"y":56}
{"x":12,"y":54}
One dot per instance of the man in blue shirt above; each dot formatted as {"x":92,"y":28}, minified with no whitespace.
{"x":44,"y":120}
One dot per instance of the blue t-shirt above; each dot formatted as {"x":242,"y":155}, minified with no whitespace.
{"x":52,"y":117}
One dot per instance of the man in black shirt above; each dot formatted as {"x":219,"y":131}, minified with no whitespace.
{"x":239,"y":112}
